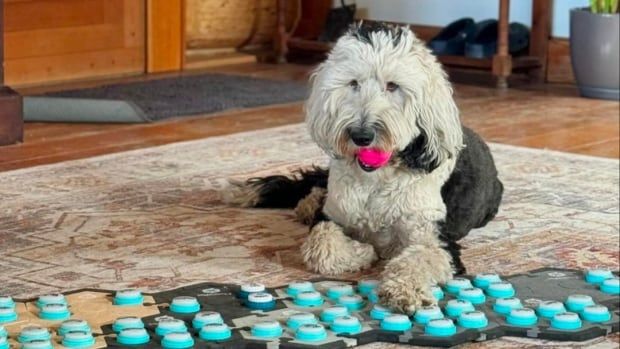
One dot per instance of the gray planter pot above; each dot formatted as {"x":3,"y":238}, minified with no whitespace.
{"x":595,"y":52}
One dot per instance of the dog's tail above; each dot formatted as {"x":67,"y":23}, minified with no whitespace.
{"x":275,"y":191}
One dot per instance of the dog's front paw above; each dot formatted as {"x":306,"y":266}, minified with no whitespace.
{"x":407,"y":279}
{"x":328,"y":251}
{"x":404,"y":296}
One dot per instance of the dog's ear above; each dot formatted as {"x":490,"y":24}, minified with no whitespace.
{"x":437,"y":118}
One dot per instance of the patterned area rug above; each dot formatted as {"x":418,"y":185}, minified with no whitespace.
{"x":152,"y":219}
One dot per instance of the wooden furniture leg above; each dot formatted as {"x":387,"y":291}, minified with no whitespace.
{"x":502,"y":61}
{"x":539,"y":38}
{"x":281,"y":38}
{"x":11,"y":119}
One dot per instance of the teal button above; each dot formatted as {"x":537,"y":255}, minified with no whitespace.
{"x":522,"y":317}
{"x":474,"y":295}
{"x":455,"y":285}
{"x":437,"y":292}
{"x":548,"y":309}
{"x":352,"y":302}
{"x":373,"y":297}
{"x":311,"y":333}
{"x":566,"y":321}
{"x":206,"y":317}
{"x":7,"y":314}
{"x":473,"y":319}
{"x":329,"y":314}
{"x":425,"y":314}
{"x":4,"y":343}
{"x":335,"y":292}
{"x":505,"y":305}
{"x":73,"y":325}
{"x":308,"y":299}
{"x":294,"y":288}
{"x":178,"y":340}
{"x":597,"y":276}
{"x":38,"y":344}
{"x":485,"y":279}
{"x":7,"y":302}
{"x":54,"y":312}
{"x":365,"y":286}
{"x":455,"y":307}
{"x":261,"y":301}
{"x":184,"y":305}
{"x":440,"y":328}
{"x":346,"y":324}
{"x":500,"y":289}
{"x":396,"y":322}
{"x":215,"y":332}
{"x":31,"y":333}
{"x":128,"y":297}
{"x":247,"y":289}
{"x":128,"y":322}
{"x":56,"y":298}
{"x":78,"y":339}
{"x":379,"y":312}
{"x":596,"y":313}
{"x":611,"y":286}
{"x":168,"y":325}
{"x":298,"y":319}
{"x":577,"y":302}
{"x":266,"y":329}
{"x":133,"y":336}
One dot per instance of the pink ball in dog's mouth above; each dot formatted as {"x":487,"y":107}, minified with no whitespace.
{"x":373,"y":158}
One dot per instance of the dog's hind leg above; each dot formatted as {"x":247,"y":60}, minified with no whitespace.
{"x":310,"y":209}
{"x":275,"y":191}
{"x":327,"y":250}
{"x":454,"y":248}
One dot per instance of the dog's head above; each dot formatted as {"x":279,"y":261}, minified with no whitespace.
{"x":381,"y":88}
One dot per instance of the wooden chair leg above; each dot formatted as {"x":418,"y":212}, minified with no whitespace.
{"x":281,"y":37}
{"x":11,"y":119}
{"x":502,"y":61}
{"x":539,"y":39}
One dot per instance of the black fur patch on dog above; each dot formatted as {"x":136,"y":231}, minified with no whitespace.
{"x":415,"y":155}
{"x":454,"y":249}
{"x":473,"y":192}
{"x":363,"y":30}
{"x":287,"y":191}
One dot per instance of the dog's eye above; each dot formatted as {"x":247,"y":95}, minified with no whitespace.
{"x":391,"y":86}
{"x":354,"y":84}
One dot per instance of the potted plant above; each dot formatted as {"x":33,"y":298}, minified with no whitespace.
{"x":595,"y":49}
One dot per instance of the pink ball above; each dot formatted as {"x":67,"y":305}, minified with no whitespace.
{"x":373,"y":157}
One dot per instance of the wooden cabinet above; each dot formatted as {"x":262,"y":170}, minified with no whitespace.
{"x":57,"y":40}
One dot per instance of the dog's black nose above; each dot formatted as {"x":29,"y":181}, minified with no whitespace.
{"x":362,"y":137}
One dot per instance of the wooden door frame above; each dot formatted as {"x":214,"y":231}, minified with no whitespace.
{"x":165,"y":35}
{"x":11,"y":109}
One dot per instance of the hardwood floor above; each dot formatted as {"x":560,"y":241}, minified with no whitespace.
{"x":552,"y":117}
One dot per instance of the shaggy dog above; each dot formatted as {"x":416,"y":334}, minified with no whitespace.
{"x":381,"y":89}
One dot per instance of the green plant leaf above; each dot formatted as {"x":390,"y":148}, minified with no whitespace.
{"x":594,"y":6}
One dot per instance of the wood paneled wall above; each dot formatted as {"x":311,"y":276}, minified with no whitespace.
{"x":56,"y":40}
{"x":166,"y":35}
